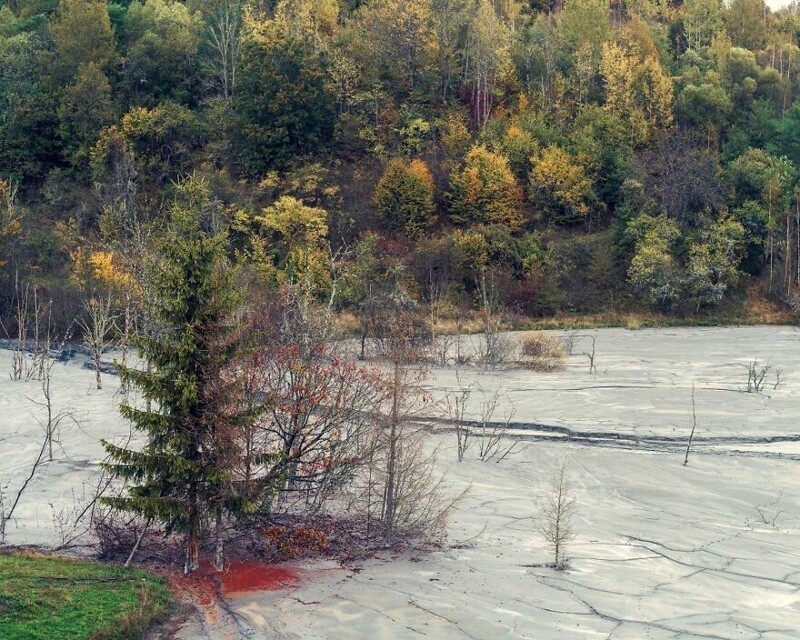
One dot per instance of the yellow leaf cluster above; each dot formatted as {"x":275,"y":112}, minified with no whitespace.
{"x":420,"y":170}
{"x":470,"y":248}
{"x":486,"y":191}
{"x":99,"y":268}
{"x":564,"y":179}
{"x":639,"y":90}
{"x":296,"y":223}
{"x":302,"y":233}
{"x":309,"y":20}
{"x":455,"y":137}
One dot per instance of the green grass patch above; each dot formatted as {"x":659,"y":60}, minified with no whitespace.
{"x":44,"y":598}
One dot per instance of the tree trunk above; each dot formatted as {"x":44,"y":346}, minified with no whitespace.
{"x":391,"y":463}
{"x":126,"y":330}
{"x":219,"y":558}
{"x":136,"y":545}
{"x":97,"y":369}
{"x":362,"y":355}
{"x":148,"y":403}
{"x":192,"y":542}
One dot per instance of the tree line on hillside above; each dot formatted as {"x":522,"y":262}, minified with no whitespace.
{"x":570,"y":156}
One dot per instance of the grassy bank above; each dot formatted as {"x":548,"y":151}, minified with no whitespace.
{"x":751,"y":308}
{"x":747,"y":307}
{"x":43,"y":598}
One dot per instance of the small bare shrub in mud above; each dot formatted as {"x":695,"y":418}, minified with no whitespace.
{"x":556,"y":518}
{"x":496,"y":349}
{"x":542,"y":352}
{"x":757,"y":377}
{"x":568,"y":341}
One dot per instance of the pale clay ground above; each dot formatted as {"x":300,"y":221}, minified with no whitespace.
{"x":706,"y":551}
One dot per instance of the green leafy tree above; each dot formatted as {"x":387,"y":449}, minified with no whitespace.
{"x":29,"y":142}
{"x":602,"y":140}
{"x":164,"y":139}
{"x":82,"y":34}
{"x":754,"y":220}
{"x":370,"y":278}
{"x":746,"y":23}
{"x":404,"y":196}
{"x":86,"y":107}
{"x":740,"y":75}
{"x":400,"y":36}
{"x":654,"y":271}
{"x":487,"y":61}
{"x":535,"y":53}
{"x":315,"y":20}
{"x":638,"y":90}
{"x":788,"y":138}
{"x":585,"y":22}
{"x":747,"y":174}
{"x":282,"y":107}
{"x":300,"y":235}
{"x":182,"y":476}
{"x":713,"y":266}
{"x":702,"y":20}
{"x":583,"y":27}
{"x":560,"y":186}
{"x":485,"y":191}
{"x":449,"y":17}
{"x":162,"y":38}
{"x":514,"y":142}
{"x":706,"y":106}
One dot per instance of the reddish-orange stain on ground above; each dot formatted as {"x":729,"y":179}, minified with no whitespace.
{"x":199,"y":589}
{"x":239,"y":577}
{"x":206,"y":584}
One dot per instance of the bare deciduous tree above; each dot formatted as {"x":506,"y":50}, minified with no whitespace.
{"x":694,"y":426}
{"x":591,"y":354}
{"x":312,"y":422}
{"x":19,"y":365}
{"x":98,"y":328}
{"x":493,"y":439}
{"x":419,"y":505}
{"x":45,"y":452}
{"x":224,"y":36}
{"x":757,"y":377}
{"x":568,"y":341}
{"x":440,"y":343}
{"x":556,"y":517}
{"x":494,"y":442}
{"x":30,"y":315}
{"x":455,"y":408}
{"x":311,"y":407}
{"x":412,"y":501}
{"x":496,"y":348}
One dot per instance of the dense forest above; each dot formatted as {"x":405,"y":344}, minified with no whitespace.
{"x":541,"y":156}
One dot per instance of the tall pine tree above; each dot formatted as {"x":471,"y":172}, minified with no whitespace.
{"x":183,"y":476}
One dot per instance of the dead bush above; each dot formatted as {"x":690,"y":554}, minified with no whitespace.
{"x":292,"y":542}
{"x":542,"y":352}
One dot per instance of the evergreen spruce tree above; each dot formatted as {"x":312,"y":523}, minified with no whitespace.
{"x":183,"y":476}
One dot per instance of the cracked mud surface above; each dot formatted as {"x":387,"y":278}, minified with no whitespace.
{"x":662,"y":551}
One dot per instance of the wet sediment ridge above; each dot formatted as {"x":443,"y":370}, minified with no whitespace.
{"x":535,"y":431}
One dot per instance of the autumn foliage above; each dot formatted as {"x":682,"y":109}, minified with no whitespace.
{"x":485,"y":191}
